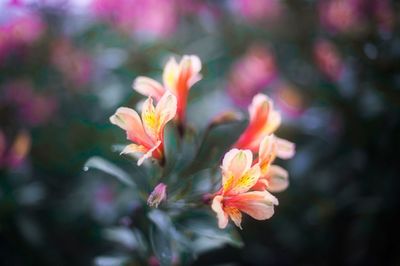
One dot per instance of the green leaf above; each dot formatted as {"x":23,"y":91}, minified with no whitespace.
{"x":109,"y":168}
{"x":161,"y":245}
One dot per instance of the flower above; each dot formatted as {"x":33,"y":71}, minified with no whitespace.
{"x":328,"y":59}
{"x":146,"y":133}
{"x":177,"y":78}
{"x":273,"y":178}
{"x":158,"y":195}
{"x":251,"y":73}
{"x":235,"y":196}
{"x":127,"y":16}
{"x":258,"y":10}
{"x":264,"y":120}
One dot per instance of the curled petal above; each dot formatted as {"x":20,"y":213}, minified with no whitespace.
{"x":218,"y":209}
{"x":278,"y":179}
{"x":257,"y":204}
{"x":284,"y":148}
{"x":134,"y":148}
{"x":129,"y":120}
{"x":149,"y":153}
{"x":148,"y":87}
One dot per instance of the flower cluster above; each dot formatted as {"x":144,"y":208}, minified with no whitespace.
{"x":248,"y":175}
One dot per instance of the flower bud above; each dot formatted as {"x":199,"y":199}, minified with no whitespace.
{"x":158,"y":195}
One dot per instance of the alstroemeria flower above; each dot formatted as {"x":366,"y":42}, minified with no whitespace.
{"x":146,"y":133}
{"x":177,"y":79}
{"x":238,"y":177}
{"x":273,"y":178}
{"x":264,"y":120}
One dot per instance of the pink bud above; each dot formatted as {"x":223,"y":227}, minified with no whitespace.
{"x":158,"y":195}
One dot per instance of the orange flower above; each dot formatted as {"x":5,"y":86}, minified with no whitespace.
{"x":264,"y":120}
{"x":238,"y":177}
{"x":273,"y":178}
{"x":177,"y":79}
{"x":146,"y":133}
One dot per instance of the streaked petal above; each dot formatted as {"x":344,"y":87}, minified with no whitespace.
{"x":245,"y":182}
{"x":235,"y":215}
{"x":217,"y":207}
{"x":149,"y":118}
{"x":148,"y":87}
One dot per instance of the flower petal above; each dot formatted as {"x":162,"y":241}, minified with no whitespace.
{"x":246,"y":181}
{"x":129,"y":120}
{"x":218,"y":209}
{"x":149,"y":118}
{"x":278,"y":179}
{"x":234,"y":165}
{"x":170,"y":75}
{"x":165,"y":110}
{"x":284,"y":148}
{"x":134,"y":148}
{"x":148,"y":87}
{"x":266,"y":153}
{"x":257,"y":204}
{"x":235,"y":215}
{"x":148,"y":154}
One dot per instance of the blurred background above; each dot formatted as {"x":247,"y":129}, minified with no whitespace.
{"x":332,"y":68}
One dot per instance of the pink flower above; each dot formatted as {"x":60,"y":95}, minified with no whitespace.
{"x":328,"y":59}
{"x":147,"y":134}
{"x":235,"y":197}
{"x":256,"y":10}
{"x":73,"y":63}
{"x":30,"y":107}
{"x":264,"y":120}
{"x":251,"y":74}
{"x":341,"y":15}
{"x":128,"y":15}
{"x":158,"y":195}
{"x":177,"y":79}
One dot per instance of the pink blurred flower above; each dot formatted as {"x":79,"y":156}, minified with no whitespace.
{"x":384,"y":14}
{"x":251,"y":73}
{"x":31,"y":108}
{"x":24,"y":29}
{"x":341,"y":15}
{"x":13,"y":154}
{"x":73,"y":63}
{"x":256,"y":10}
{"x":328,"y":59}
{"x":289,"y":101}
{"x":149,"y":17}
